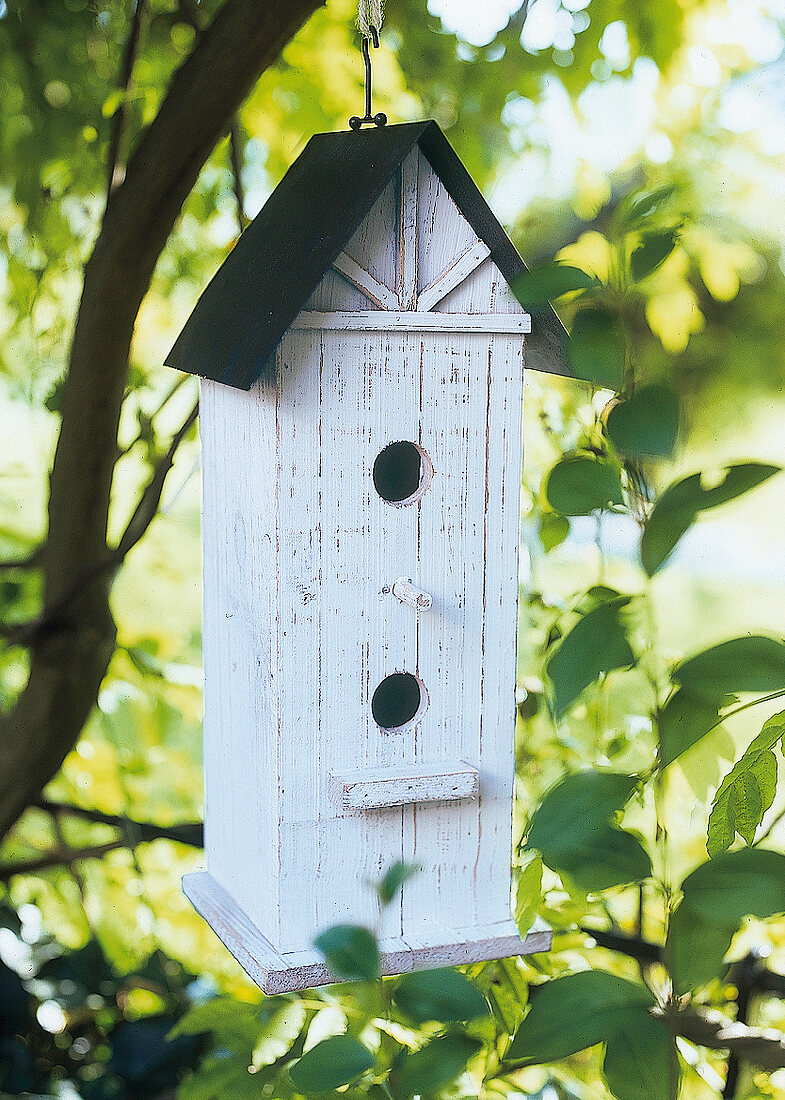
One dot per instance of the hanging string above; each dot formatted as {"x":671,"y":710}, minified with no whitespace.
{"x":370,"y":13}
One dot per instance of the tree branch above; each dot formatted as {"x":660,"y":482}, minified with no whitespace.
{"x":69,"y":659}
{"x":190,"y":833}
{"x":236,"y":158}
{"x":115,"y":166}
{"x":58,"y":858}
{"x":147,"y":508}
{"x":763,"y":1047}
{"x":30,"y":562}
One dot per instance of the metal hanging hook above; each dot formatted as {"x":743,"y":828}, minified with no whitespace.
{"x":370,"y":119}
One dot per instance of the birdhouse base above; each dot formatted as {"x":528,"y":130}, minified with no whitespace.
{"x":277,"y":972}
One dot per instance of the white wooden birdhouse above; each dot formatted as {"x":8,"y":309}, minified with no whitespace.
{"x":362,"y":361}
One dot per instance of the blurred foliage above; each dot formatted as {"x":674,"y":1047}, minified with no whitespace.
{"x":667,"y":233}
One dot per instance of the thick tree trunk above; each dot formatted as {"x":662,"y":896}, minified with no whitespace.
{"x":69,"y":655}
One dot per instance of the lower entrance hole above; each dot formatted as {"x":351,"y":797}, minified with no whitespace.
{"x":399,"y":700}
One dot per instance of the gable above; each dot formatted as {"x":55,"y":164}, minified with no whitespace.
{"x":414,"y":250}
{"x":319,"y":209}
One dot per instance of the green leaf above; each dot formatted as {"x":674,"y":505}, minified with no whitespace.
{"x":394,"y":878}
{"x":572,"y":830}
{"x":351,"y":952}
{"x":646,"y":425}
{"x":443,"y":995}
{"x":681,"y":504}
{"x":218,"y":1014}
{"x":597,"y":349}
{"x":434,"y":1065}
{"x":330,"y":1064}
{"x":638,"y":1057}
{"x":747,"y":791}
{"x":279,"y":1032}
{"x":571,"y":1013}
{"x":221,"y":1075}
{"x":583,"y":483}
{"x":716,"y":898}
{"x":597,"y":644}
{"x":527,"y":894}
{"x":683,"y":721}
{"x":554,"y":529}
{"x":542,"y":285}
{"x":637,"y":210}
{"x":653,"y":250}
{"x":749,"y":664}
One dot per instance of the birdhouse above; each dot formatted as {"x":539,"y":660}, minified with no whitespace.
{"x":362,"y":358}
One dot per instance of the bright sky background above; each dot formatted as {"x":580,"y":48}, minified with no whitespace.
{"x":620,"y":119}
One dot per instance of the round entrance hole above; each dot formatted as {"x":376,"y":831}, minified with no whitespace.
{"x":399,"y":700}
{"x":402,"y":472}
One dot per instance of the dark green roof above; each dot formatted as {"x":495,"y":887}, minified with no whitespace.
{"x":282,"y":256}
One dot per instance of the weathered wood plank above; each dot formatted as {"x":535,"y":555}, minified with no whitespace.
{"x":444,"y":233}
{"x":451,"y":278}
{"x":241,"y":669}
{"x":403,"y":785}
{"x":364,"y":281}
{"x":407,"y":232}
{"x":284,"y":972}
{"x":414,"y":321}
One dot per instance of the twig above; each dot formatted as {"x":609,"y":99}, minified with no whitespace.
{"x":30,"y":562}
{"x":143,"y":516}
{"x":146,"y":509}
{"x":57,"y":858}
{"x":633,"y":946}
{"x":763,"y":1047}
{"x":236,"y":158}
{"x":187,"y":833}
{"x":179,"y":382}
{"x":115,"y":167}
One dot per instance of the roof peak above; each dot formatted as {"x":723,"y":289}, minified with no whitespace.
{"x":313,"y":212}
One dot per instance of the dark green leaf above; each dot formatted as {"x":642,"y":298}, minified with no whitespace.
{"x":596,"y":349}
{"x":443,"y":995}
{"x":747,"y":791}
{"x":597,"y":644}
{"x":748,"y":664}
{"x":554,"y":529}
{"x":716,"y":898}
{"x":571,"y":1013}
{"x":638,"y":1058}
{"x":544,"y":284}
{"x":653,"y":250}
{"x":351,"y":952}
{"x":581,"y":484}
{"x":682,"y":722}
{"x":394,"y":878}
{"x":572,"y":830}
{"x":436,"y":1064}
{"x":646,"y":425}
{"x":681,"y":504}
{"x":330,"y":1064}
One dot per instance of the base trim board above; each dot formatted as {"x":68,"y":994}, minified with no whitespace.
{"x":285,"y":972}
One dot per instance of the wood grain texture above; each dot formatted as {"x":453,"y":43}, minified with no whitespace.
{"x":240,"y":670}
{"x":365,"y":789}
{"x":413,"y":321}
{"x":283,"y":972}
{"x":301,"y":624}
{"x":364,"y":281}
{"x":460,"y":270}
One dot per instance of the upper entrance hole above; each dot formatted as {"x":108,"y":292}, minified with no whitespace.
{"x":402,"y":472}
